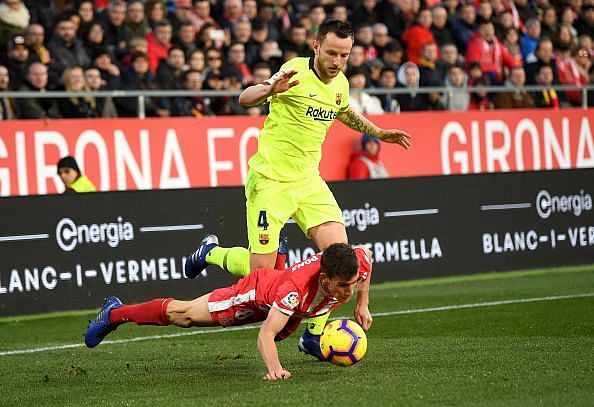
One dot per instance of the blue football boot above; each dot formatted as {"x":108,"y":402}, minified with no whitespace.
{"x":100,"y":326}
{"x":310,"y":345}
{"x":196,"y":261}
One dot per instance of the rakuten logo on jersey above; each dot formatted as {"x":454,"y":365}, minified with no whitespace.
{"x":546,"y":204}
{"x":361,"y":217}
{"x":69,"y":234}
{"x":319,"y":113}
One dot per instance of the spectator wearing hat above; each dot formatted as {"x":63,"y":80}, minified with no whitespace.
{"x":196,"y":106}
{"x":74,"y":181}
{"x":159,"y":42}
{"x":365,"y":163}
{"x":16,"y":60}
{"x":66,"y":50}
{"x":7,"y":111}
{"x":407,"y":77}
{"x":214,"y":81}
{"x":36,"y":108}
{"x":35,"y":40}
{"x":14,"y":19}
{"x":110,"y":72}
{"x":259,"y":35}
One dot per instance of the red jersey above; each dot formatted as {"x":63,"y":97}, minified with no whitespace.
{"x":295,"y":292}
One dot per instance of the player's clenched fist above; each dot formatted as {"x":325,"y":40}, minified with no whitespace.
{"x":278,"y":375}
{"x":282,"y":82}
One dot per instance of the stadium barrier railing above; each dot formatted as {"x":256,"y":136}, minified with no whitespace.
{"x":140,"y":95}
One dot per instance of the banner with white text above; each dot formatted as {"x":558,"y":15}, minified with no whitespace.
{"x":128,"y":154}
{"x":64,"y":252}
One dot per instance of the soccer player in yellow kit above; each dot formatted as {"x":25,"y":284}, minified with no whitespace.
{"x":306,"y":96}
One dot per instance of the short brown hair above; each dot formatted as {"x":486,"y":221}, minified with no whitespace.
{"x":340,"y":28}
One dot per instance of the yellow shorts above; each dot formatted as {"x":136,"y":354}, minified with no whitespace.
{"x":270,"y":204}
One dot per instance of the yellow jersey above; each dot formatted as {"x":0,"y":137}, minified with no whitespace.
{"x":290,"y":144}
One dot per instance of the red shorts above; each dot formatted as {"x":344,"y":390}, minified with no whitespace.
{"x":236,"y":305}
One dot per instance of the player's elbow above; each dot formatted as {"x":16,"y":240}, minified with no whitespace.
{"x":246,"y":100}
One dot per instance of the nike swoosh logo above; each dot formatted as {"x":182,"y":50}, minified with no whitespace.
{"x":312,"y":95}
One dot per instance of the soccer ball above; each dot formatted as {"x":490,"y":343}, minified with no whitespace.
{"x":343,"y":342}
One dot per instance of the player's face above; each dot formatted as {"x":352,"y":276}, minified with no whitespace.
{"x":343,"y":290}
{"x":331,"y":55}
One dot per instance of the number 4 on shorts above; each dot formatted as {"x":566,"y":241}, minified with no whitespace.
{"x":262,"y":220}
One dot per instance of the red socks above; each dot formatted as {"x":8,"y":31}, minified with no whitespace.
{"x":281,"y":261}
{"x":148,"y":313}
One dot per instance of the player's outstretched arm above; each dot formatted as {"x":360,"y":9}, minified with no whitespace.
{"x":273,"y":324}
{"x":360,"y":123}
{"x":258,"y":94}
{"x":362,"y":314}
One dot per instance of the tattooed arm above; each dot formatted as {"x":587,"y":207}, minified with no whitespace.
{"x":360,"y":123}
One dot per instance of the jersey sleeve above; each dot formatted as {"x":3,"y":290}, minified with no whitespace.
{"x":287,"y":298}
{"x":364,"y":264}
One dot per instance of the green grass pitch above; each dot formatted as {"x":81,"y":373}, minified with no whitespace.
{"x":513,"y":338}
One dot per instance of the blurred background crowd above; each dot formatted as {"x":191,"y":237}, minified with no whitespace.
{"x":230,"y":44}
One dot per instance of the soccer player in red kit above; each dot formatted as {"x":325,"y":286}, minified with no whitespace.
{"x":280,"y":298}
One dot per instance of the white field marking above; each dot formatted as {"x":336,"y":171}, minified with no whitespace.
{"x":506,"y":206}
{"x":411,"y":213}
{"x":24,"y":237}
{"x":246,"y":327}
{"x":170,"y":228}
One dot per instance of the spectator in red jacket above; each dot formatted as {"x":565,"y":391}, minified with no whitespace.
{"x":159,"y":42}
{"x":418,"y":35}
{"x":490,"y":53}
{"x":365,"y":163}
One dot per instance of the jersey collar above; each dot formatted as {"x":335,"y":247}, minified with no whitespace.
{"x":311,"y":66}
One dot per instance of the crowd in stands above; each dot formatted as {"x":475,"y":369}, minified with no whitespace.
{"x":81,"y":45}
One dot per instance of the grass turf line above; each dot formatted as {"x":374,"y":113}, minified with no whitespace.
{"x":516,"y":354}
